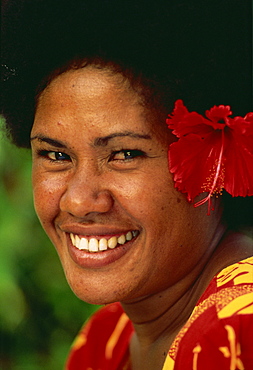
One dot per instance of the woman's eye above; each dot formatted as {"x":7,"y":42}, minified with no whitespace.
{"x":124,"y":155}
{"x":54,"y":156}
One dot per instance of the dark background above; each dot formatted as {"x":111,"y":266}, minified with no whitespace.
{"x":200,"y":50}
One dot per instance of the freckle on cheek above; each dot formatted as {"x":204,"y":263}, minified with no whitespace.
{"x":178,"y":200}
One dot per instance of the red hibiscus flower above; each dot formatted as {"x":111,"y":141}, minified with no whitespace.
{"x":212,"y":153}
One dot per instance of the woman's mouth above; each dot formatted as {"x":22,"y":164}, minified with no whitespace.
{"x":103,"y":243}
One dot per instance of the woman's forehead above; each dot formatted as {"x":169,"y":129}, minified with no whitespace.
{"x":96,"y":96}
{"x":87,"y":93}
{"x":91,"y":80}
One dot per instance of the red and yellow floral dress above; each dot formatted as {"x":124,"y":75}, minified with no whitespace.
{"x":218,"y":334}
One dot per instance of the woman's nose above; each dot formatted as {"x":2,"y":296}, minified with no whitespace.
{"x":86,"y":194}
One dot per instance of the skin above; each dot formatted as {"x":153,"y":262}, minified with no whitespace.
{"x":93,"y":191}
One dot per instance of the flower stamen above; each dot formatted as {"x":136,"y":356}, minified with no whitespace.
{"x":219,"y":172}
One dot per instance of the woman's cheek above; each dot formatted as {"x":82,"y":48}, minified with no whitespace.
{"x":130,"y":191}
{"x":47,"y":191}
{"x":140,"y":194}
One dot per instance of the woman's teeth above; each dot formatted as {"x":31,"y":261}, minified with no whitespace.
{"x":98,"y":245}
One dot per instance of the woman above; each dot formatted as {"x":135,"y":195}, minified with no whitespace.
{"x":120,"y":213}
{"x":106,"y":198}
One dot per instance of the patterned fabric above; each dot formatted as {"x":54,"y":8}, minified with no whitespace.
{"x":218,"y":334}
{"x":103,"y":342}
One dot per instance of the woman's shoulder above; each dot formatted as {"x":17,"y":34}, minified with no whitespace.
{"x":237,"y":274}
{"x":233,"y":280}
{"x":220,"y":328}
{"x":103,"y":341}
{"x":110,"y":312}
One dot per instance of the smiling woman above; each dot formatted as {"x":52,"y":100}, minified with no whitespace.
{"x":99,"y":192}
{"x":106,"y":175}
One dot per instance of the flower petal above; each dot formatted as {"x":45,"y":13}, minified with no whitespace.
{"x":239,"y":164}
{"x":218,"y":113}
{"x":193,"y":162}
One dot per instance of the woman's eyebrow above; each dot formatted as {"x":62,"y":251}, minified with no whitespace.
{"x":103,"y":141}
{"x":99,"y":141}
{"x":45,"y":139}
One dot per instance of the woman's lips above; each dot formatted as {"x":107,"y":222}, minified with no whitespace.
{"x":101,"y":243}
{"x":101,"y":250}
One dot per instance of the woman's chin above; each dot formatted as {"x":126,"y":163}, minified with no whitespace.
{"x":95,"y":298}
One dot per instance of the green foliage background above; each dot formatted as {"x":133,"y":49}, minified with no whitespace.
{"x":39,"y":314}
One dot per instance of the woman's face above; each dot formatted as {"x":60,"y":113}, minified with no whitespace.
{"x":104,"y":194}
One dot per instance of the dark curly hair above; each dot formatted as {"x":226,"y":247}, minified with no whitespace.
{"x":198,"y":51}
